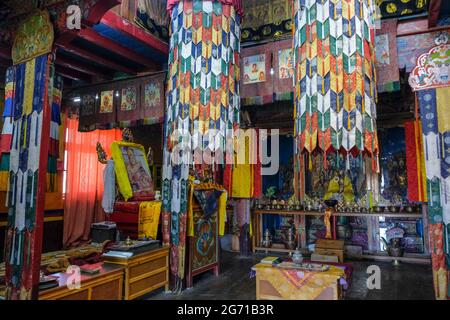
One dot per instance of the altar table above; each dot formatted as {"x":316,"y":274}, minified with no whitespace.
{"x":275,"y":283}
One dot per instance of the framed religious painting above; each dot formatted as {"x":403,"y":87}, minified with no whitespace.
{"x":133,"y":174}
{"x":106,"y":101}
{"x":255,"y":69}
{"x":285,"y":64}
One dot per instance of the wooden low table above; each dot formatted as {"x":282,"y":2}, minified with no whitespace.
{"x":105,"y":285}
{"x":144,"y":272}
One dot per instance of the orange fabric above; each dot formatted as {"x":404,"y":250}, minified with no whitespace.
{"x":84,"y":185}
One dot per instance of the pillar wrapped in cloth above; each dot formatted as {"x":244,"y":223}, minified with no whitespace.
{"x":31,"y":117}
{"x":202,"y":107}
{"x":334,"y":81}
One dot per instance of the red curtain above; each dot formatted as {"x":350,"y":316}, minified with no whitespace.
{"x":84,"y":183}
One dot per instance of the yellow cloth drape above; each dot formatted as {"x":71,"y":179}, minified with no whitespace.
{"x":222,"y":212}
{"x":222,"y":207}
{"x":149,"y":212}
{"x":443,"y":109}
{"x":421,"y":161}
{"x":291,"y":286}
{"x":242,"y":181}
{"x":4,"y":177}
{"x":30,"y":71}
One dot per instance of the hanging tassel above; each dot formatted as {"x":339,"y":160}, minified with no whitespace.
{"x":13,"y":246}
{"x":337,"y":160}
{"x":325,"y":160}
{"x":309,"y":162}
{"x":347,"y":163}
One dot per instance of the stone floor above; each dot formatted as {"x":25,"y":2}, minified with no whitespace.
{"x":404,"y":282}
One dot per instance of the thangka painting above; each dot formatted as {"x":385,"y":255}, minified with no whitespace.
{"x":204,"y":240}
{"x":382,"y":52}
{"x":152,"y":96}
{"x":129,"y":99}
{"x":132,"y":170}
{"x":106,"y":101}
{"x":285,"y":64}
{"x":88,"y":105}
{"x":255,"y":69}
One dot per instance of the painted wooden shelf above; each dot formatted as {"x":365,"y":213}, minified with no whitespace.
{"x":300,"y":216}
{"x":409,"y":257}
{"x":341,"y":214}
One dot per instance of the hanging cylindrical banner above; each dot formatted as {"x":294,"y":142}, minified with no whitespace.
{"x":202,"y":107}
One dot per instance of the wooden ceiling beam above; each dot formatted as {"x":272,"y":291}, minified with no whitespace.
{"x":108,"y":44}
{"x":76,"y":65}
{"x":69,"y":47}
{"x":5,"y":52}
{"x":72,"y":74}
{"x":5,"y":62}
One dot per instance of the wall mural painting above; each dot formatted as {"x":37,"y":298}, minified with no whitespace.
{"x":433,"y":67}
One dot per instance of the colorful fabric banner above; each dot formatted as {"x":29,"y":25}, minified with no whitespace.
{"x":388,"y":75}
{"x":202,"y":97}
{"x":55,"y":97}
{"x":6,"y":135}
{"x":433,"y":104}
{"x":243,"y":179}
{"x":237,"y":4}
{"x":335,"y":89}
{"x":415,"y":165}
{"x":30,"y":94}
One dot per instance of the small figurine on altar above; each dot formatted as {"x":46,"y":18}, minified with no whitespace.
{"x":127,"y":135}
{"x":150,"y":156}
{"x":340,"y":186}
{"x":101,"y":154}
